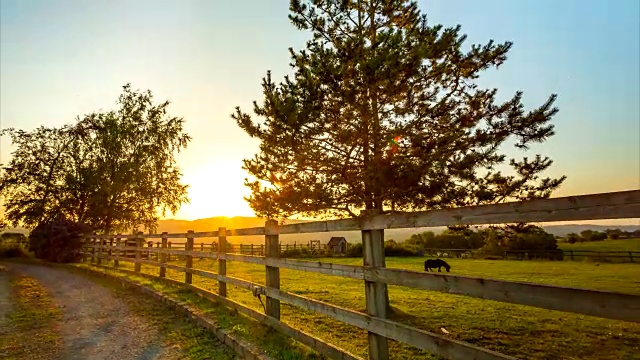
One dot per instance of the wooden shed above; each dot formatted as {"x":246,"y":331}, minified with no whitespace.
{"x":337,"y":245}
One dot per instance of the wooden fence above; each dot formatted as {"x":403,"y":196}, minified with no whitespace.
{"x":212,"y":246}
{"x":288,"y":250}
{"x":376,"y":276}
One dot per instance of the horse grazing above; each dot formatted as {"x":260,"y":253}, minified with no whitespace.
{"x":437,"y":263}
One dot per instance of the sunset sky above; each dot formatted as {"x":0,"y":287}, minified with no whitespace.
{"x":61,"y":59}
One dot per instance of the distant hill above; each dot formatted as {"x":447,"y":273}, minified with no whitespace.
{"x":561,"y":230}
{"x":210,"y":224}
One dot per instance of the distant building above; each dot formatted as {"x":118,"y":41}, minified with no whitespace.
{"x":337,"y":245}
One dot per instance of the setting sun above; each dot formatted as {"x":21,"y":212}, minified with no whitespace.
{"x":214,"y":190}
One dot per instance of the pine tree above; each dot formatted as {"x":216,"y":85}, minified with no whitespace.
{"x":383,"y":112}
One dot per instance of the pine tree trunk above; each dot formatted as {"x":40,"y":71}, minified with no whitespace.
{"x":373,"y":94}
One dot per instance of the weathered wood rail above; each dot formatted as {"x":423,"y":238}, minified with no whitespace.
{"x":376,"y":276}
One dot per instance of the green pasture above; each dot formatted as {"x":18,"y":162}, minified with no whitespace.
{"x":521,"y":331}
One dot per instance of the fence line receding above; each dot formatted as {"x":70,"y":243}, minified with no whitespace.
{"x":376,"y":277}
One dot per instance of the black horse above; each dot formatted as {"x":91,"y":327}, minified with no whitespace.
{"x":437,"y":263}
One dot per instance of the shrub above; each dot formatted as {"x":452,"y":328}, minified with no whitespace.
{"x":398,"y":251}
{"x":421,"y":240}
{"x":490,"y":257}
{"x":296,"y":253}
{"x":573,"y":238}
{"x":12,"y":237}
{"x":598,"y":236}
{"x":59,"y":240}
{"x":493,"y":245}
{"x":392,"y":248}
{"x":590,"y":235}
{"x":527,"y":241}
{"x":556,"y":254}
{"x":13,"y":250}
{"x":354,"y":250}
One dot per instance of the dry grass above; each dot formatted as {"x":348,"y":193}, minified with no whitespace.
{"x":31,"y":324}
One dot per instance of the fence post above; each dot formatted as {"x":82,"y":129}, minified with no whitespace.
{"x":99,"y":260}
{"x":188,"y":276}
{"x":105,"y":251}
{"x":163,"y":255}
{"x":85,"y":249}
{"x":169,"y":254}
{"x":92,"y":242}
{"x":116,"y":261}
{"x":222,"y":263}
{"x":631,"y":256}
{"x":272,"y":246}
{"x":571,"y":253}
{"x":376,"y":294}
{"x":110,"y":254}
{"x":139,"y":240}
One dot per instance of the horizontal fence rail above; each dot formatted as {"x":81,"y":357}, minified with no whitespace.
{"x":376,"y":276}
{"x":615,"y":205}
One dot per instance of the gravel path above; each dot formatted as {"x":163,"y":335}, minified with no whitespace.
{"x":5,"y":298}
{"x":96,"y":324}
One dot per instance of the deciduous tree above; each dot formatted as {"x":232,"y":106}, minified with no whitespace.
{"x":133,"y":161}
{"x":31,"y":184}
{"x":113,"y":170}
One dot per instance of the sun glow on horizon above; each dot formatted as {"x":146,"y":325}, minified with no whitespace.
{"x":216,"y":188}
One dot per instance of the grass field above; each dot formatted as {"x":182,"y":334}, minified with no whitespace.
{"x":521,"y":331}
{"x":605,"y":245}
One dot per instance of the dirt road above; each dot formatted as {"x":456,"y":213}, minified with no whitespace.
{"x":95,"y":323}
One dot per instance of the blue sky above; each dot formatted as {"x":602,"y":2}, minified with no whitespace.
{"x":61,"y":59}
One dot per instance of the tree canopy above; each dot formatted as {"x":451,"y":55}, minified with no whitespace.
{"x":112,"y":170}
{"x":383,"y":111}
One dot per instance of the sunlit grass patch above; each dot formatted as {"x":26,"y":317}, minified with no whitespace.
{"x":31,"y":331}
